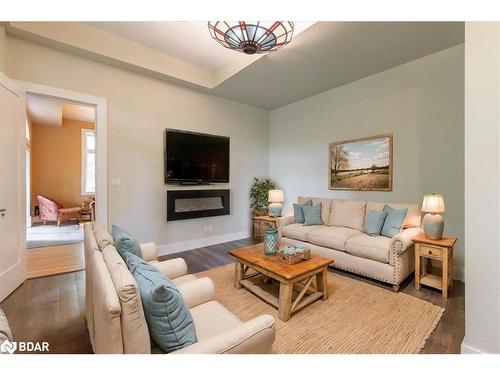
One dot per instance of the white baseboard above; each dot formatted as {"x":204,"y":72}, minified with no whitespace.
{"x":467,"y":349}
{"x":177,"y":247}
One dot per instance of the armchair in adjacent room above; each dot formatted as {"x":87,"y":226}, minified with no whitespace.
{"x":51,"y":210}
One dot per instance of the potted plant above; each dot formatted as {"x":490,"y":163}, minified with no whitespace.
{"x":258,"y":195}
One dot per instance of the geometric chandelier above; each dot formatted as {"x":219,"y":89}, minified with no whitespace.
{"x":252,"y":37}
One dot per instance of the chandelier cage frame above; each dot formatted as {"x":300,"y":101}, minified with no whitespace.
{"x":252,"y":37}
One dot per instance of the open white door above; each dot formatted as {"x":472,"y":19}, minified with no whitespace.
{"x":12,"y":187}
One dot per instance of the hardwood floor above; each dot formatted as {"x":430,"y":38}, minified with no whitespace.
{"x":54,"y":260}
{"x":52,"y":308}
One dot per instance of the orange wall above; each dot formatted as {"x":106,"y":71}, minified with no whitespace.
{"x":56,"y":161}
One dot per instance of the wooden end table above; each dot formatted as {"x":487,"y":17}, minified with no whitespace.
{"x":438,"y":250}
{"x":259,"y":224}
{"x":298,"y":278}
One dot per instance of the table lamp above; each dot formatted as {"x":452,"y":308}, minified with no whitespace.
{"x":275,"y":198}
{"x":433,"y":222}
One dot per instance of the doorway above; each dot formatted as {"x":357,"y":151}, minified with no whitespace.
{"x":60,"y":183}
{"x":65,"y":176}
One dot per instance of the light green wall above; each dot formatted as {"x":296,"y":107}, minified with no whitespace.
{"x":421,"y":103}
{"x":139,"y":109}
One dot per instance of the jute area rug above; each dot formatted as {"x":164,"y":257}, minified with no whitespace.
{"x":357,"y":318}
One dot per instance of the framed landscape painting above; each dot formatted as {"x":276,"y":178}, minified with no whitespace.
{"x":361,"y":164}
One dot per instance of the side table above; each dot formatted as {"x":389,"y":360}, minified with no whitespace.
{"x":260,"y":223}
{"x":437,"y":250}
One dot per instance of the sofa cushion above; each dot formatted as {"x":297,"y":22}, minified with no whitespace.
{"x":125,"y":243}
{"x":212,"y":319}
{"x":312,"y":215}
{"x":102,"y":236}
{"x":298,"y":211}
{"x":297,"y":231}
{"x":135,"y":332}
{"x":332,"y":237}
{"x":350,"y":214}
{"x":412,"y":218}
{"x":365,"y":246}
{"x":323,"y":202}
{"x":374,"y":221}
{"x":394,"y":221}
{"x":170,"y":323}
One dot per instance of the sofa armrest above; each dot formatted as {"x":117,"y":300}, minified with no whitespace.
{"x":253,"y":337}
{"x":404,"y":240}
{"x":284,"y":221}
{"x":172,"y":268}
{"x":149,"y":251}
{"x":5,"y":332}
{"x":198,"y":291}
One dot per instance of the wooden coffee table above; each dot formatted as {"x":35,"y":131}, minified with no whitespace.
{"x":292,"y":278}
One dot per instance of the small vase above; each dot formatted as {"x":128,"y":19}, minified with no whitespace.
{"x":271,"y":241}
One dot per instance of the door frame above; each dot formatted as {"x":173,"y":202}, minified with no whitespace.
{"x":101,"y":193}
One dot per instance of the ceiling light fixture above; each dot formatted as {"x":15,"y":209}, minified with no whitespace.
{"x":252,"y":37}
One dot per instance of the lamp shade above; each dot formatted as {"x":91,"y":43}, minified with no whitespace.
{"x":433,"y":203}
{"x":276,"y":196}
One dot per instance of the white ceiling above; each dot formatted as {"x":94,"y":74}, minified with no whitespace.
{"x":322,"y":55}
{"x":50,"y":112}
{"x":78,"y":112}
{"x":331,"y":54}
{"x":188,"y":41}
{"x":43,"y":111}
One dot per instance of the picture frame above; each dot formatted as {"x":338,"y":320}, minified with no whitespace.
{"x":361,"y":164}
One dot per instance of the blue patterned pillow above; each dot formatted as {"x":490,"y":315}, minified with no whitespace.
{"x":394,"y":221}
{"x":312,"y":215}
{"x":298,"y":211}
{"x":170,"y":323}
{"x":124,"y":242}
{"x":374,"y":221}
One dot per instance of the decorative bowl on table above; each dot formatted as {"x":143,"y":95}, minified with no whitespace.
{"x":294,"y":254}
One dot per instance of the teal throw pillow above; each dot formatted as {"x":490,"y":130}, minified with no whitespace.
{"x":298,"y":211}
{"x":374,"y":221}
{"x":170,"y":323}
{"x":124,"y":242}
{"x":394,"y":221}
{"x":312,"y":215}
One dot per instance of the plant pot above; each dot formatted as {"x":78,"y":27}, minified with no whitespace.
{"x":259,"y":211}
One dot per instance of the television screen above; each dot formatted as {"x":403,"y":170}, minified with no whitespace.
{"x":196,"y":158}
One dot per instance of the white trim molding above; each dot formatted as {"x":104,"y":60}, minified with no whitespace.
{"x":85,"y":152}
{"x":178,"y":247}
{"x":466,"y":349}
{"x":101,"y":127}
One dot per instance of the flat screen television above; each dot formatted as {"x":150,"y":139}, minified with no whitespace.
{"x":195,"y":158}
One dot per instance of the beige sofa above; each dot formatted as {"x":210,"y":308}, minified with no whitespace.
{"x":341,"y":238}
{"x":5,"y":333}
{"x":115,"y":317}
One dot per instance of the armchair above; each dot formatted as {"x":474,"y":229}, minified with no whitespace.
{"x":52,"y":210}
